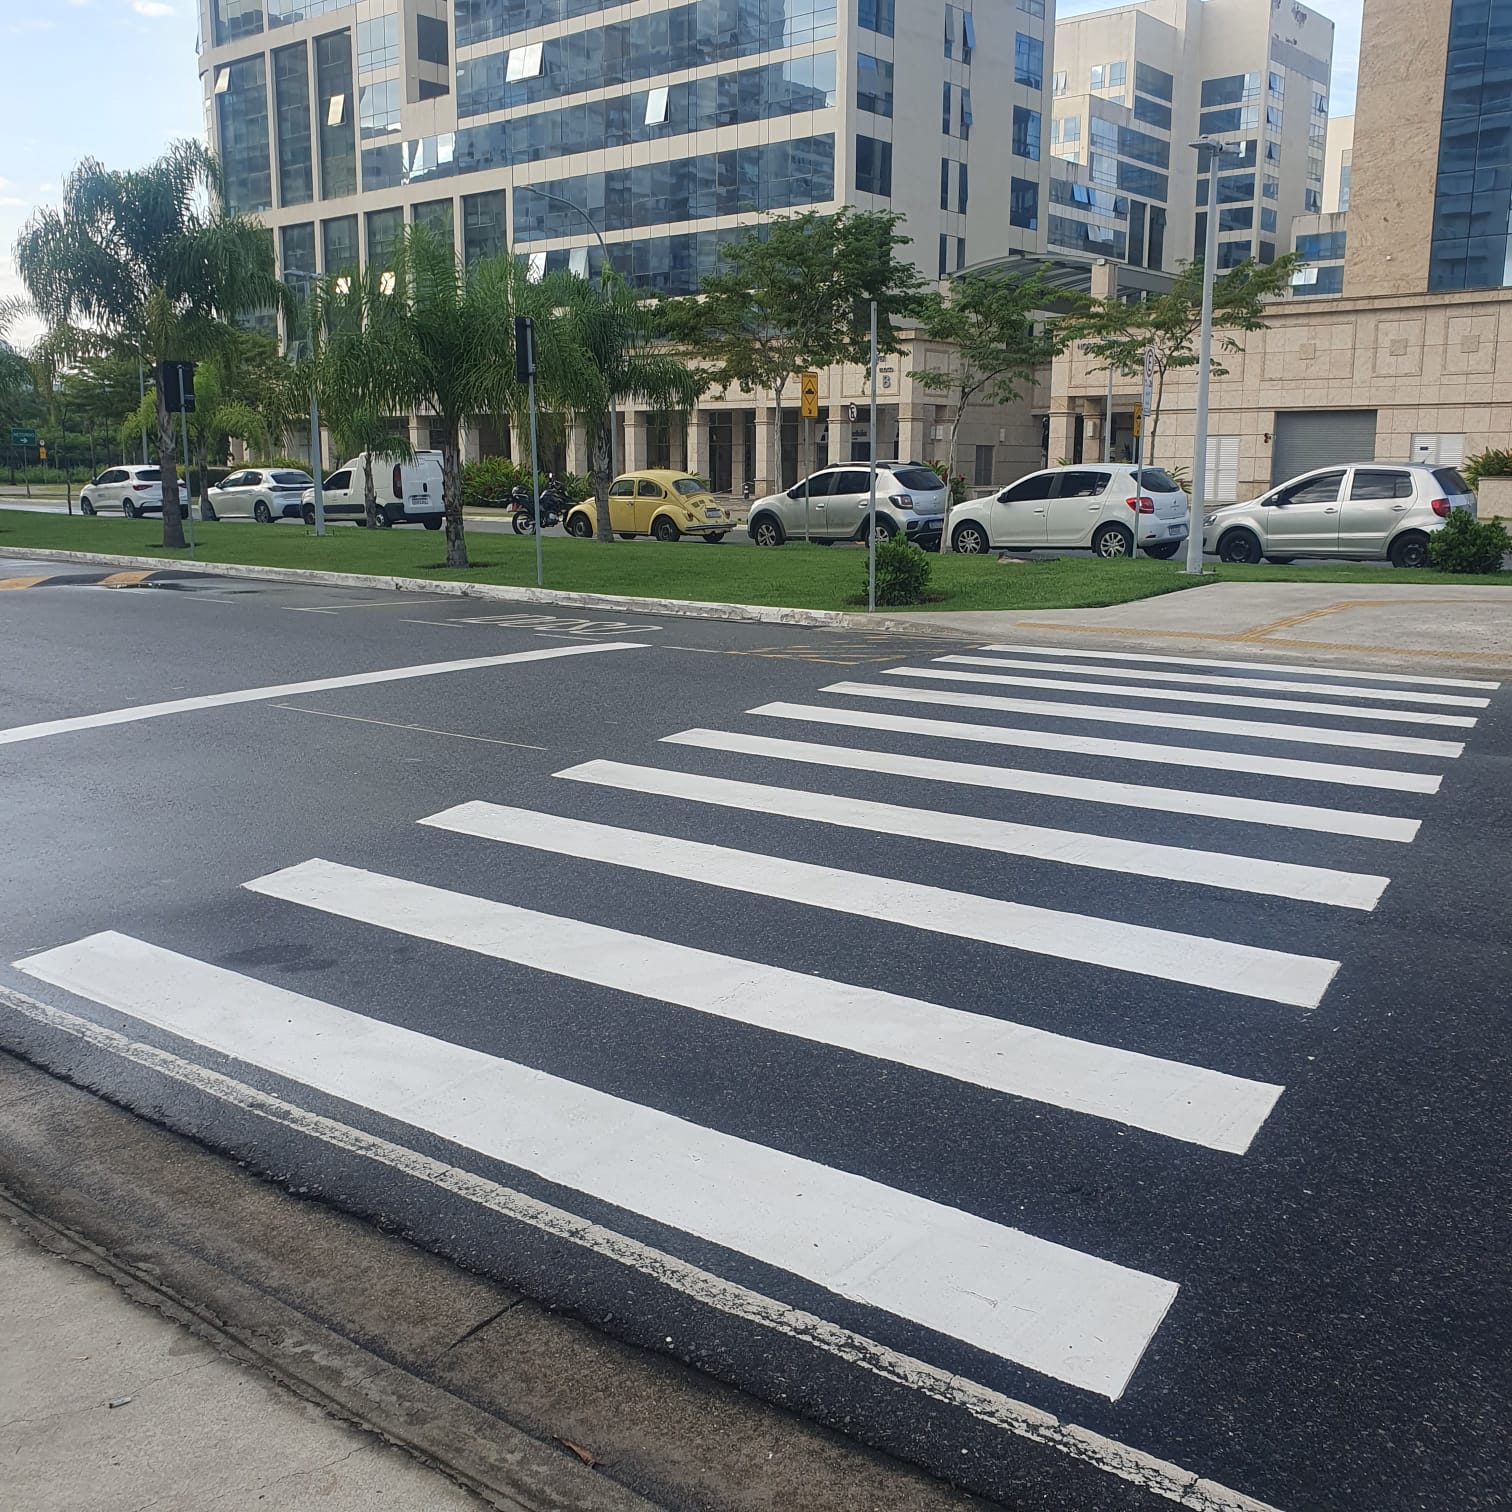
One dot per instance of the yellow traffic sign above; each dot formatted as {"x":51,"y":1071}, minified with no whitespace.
{"x":808,"y":389}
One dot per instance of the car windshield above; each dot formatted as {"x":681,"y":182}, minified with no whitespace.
{"x":293,"y":479}
{"x":1152,"y":480}
{"x":920,"y":479}
{"x":688,"y":486}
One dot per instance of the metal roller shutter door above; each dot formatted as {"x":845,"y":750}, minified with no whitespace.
{"x":1305,"y":439}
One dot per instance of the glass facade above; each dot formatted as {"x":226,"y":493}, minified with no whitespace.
{"x":1028,"y":61}
{"x":383,"y":228}
{"x":378,"y":44}
{"x":484,"y":233}
{"x":1026,"y":133}
{"x":291,"y":104}
{"x":1023,"y":204}
{"x":873,"y":166}
{"x":333,"y":96}
{"x":231,"y":19}
{"x":874,"y":84}
{"x":241,"y":98}
{"x":339,"y":244}
{"x":875,"y":15}
{"x":297,"y":253}
{"x":1473,"y":205}
{"x":437,"y":216}
{"x":287,"y":12}
{"x":1322,"y":246}
{"x":432,"y":41}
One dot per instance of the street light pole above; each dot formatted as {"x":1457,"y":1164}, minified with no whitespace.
{"x":1214,"y":151}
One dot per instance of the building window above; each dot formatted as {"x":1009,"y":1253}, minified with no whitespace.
{"x":944,"y":183}
{"x":378,"y":107}
{"x":876,"y":16}
{"x":1023,"y":204}
{"x":950,"y":30}
{"x":873,"y":166}
{"x":1278,"y":84}
{"x":297,"y":256}
{"x":1344,"y":188}
{"x":1235,"y":89}
{"x":291,"y":104}
{"x":1026,"y":133}
{"x":1237,"y":218}
{"x":1058,"y":84}
{"x":1271,"y":188}
{"x":961,"y":195}
{"x":945,"y":116}
{"x":1268,"y":221}
{"x":241,"y":92}
{"x":1273,"y":116}
{"x":333,"y":94}
{"x":483,"y":229}
{"x":1154,"y":82}
{"x":1231,"y":254}
{"x":1152,"y":113}
{"x":1033,"y":8}
{"x":874,"y":84}
{"x":524,"y":62}
{"x":1028,"y":61}
{"x":966,"y":116}
{"x":237,"y":18}
{"x":378,"y":44}
{"x":1312,"y":201}
{"x":1322,"y":246}
{"x":383,"y":228}
{"x":339,"y":244}
{"x":944,"y":256}
{"x":1155,"y":252}
{"x":968,"y":36}
{"x":432,"y":41}
{"x":1097,"y":76}
{"x":982,"y":472}
{"x":437,"y":218}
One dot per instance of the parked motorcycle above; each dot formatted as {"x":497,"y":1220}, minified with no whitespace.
{"x":554,"y":505}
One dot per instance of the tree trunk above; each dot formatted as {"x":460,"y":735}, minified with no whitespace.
{"x":173,"y":526}
{"x":370,"y":494}
{"x":600,"y":463}
{"x":777,"y":447}
{"x":202,"y":463}
{"x":1152,"y":422}
{"x":451,"y":495}
{"x":950,"y":467}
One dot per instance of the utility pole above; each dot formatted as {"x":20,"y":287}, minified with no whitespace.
{"x":1215,"y":152}
{"x":525,"y":372}
{"x":871,"y":494}
{"x":184,"y":432}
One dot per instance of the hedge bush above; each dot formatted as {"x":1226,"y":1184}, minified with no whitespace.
{"x":1487,"y":464}
{"x":491,"y":479}
{"x":1468,"y":545}
{"x":902,"y":573}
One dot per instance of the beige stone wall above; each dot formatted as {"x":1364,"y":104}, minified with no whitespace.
{"x":1396,"y":144}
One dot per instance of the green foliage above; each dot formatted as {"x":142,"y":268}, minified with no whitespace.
{"x":903,"y":572}
{"x":490,"y":480}
{"x":957,"y":481}
{"x":1468,"y":545}
{"x":1487,"y":464}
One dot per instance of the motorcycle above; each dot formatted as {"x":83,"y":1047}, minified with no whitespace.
{"x":554,"y":505}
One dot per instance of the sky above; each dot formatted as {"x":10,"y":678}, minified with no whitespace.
{"x":116,"y":79}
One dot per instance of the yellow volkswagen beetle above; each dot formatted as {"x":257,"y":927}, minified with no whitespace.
{"x":655,"y":503}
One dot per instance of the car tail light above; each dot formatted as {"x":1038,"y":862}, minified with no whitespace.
{"x":1142,"y":505}
{"x":140,"y":487}
{"x":1440,"y":507}
{"x":398,"y":482}
{"x":902,"y":500}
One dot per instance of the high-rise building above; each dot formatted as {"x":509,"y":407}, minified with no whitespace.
{"x":656,"y":128}
{"x":1134,"y":87}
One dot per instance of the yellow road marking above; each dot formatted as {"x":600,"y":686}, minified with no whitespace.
{"x":125,"y":579}
{"x":30,"y":582}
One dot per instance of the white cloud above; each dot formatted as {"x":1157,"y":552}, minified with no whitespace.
{"x":151,"y":8}
{"x":10,"y":202}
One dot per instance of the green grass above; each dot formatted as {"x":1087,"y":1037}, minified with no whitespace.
{"x":808,"y":577}
{"x":1345,"y":573}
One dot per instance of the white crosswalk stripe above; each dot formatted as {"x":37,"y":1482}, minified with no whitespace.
{"x":1166,"y":1097}
{"x":1354,"y":673}
{"x":1263,"y":684}
{"x":1165,"y":800}
{"x":1279,"y":879}
{"x":1185,"y":695}
{"x":1205,"y":758}
{"x":1246,"y":970}
{"x":1359,"y":740}
{"x":1072,"y":1316}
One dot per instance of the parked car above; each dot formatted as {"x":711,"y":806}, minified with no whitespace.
{"x":833,"y":504}
{"x":133,"y":490}
{"x":656,"y":503}
{"x":264,"y":494}
{"x":1372,"y":510}
{"x":409,"y":493}
{"x":1094,"y":505}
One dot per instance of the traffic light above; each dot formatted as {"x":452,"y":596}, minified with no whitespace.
{"x":175,"y":382}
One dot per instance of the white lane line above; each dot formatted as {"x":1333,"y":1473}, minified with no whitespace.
{"x":1207,"y":759}
{"x":1142,"y":1091}
{"x":1277,"y":879}
{"x":1183,"y":1488}
{"x":138,"y":712}
{"x":418,"y":729}
{"x":1247,"y":666}
{"x":1050,"y":1308}
{"x":1262,"y":684}
{"x":1359,"y":740}
{"x":1183,"y":695}
{"x":1303,"y":816}
{"x":1247,"y":970}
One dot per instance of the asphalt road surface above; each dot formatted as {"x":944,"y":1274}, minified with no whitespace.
{"x":1079,"y":1073}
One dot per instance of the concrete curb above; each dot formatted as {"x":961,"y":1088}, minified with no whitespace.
{"x":759,"y":614}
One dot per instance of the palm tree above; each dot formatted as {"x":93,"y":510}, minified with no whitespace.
{"x":151,"y":260}
{"x":618,"y":332}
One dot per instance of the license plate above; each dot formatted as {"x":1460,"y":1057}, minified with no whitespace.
{"x":713,"y":514}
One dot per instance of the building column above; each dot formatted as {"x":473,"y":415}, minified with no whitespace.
{"x":519,"y":443}
{"x":914,"y":444}
{"x":1062,"y":432}
{"x":767,"y":456}
{"x":698,"y":445}
{"x":634,"y":456}
{"x":577,"y":447}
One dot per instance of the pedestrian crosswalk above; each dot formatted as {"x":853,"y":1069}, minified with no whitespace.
{"x":1101,"y":895}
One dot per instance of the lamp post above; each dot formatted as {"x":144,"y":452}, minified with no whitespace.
{"x":293,"y":276}
{"x":557,"y":199}
{"x":1214,"y":152}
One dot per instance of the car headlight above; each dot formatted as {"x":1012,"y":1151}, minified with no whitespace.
{"x":1209,"y":521}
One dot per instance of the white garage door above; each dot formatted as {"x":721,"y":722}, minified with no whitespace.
{"x":1305,"y":439}
{"x":1221,"y":486}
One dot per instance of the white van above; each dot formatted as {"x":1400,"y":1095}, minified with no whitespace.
{"x":409,"y":493}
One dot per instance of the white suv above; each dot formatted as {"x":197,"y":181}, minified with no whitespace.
{"x":1374,"y":510}
{"x":1095,"y":505}
{"x":133,"y":490}
{"x":833,"y":504}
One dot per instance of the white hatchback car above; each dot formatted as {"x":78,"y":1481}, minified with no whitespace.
{"x":1093,"y":505}
{"x":133,"y":490}
{"x":1373,"y":510}
{"x":264,"y":494}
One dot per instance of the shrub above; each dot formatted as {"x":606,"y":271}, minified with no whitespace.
{"x":902,"y":572}
{"x":1468,"y":545}
{"x":957,"y":481}
{"x":488,"y":481}
{"x":1487,"y":464}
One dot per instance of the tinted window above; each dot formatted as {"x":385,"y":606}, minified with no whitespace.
{"x":1369,"y":484}
{"x":687,"y":485}
{"x":339,"y":480}
{"x":1082,"y":485}
{"x":1152,"y":480}
{"x":115,"y":475}
{"x":291,"y":479}
{"x":820,"y":486}
{"x":920,"y":479}
{"x":147,"y":475}
{"x":1450,"y":481}
{"x":1320,"y":490}
{"x":1035,"y":486}
{"x":623,"y":488}
{"x":648,"y":490}
{"x":852,"y":482}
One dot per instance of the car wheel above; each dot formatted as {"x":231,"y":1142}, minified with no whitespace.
{"x":261,"y":513}
{"x":433,"y":523}
{"x":886,"y":530}
{"x":207,"y":511}
{"x":664,"y":528}
{"x":768,"y":531}
{"x":1241,"y":547}
{"x":309,"y":514}
{"x":86,"y":506}
{"x":1409,"y":551}
{"x":580,"y":526}
{"x":969,"y":539}
{"x":386,"y":523}
{"x":1112,"y":541}
{"x":716,"y":538}
{"x":128,"y":509}
{"x":1163,"y":552}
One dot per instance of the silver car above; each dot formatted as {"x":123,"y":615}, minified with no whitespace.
{"x":1359,"y":513}
{"x":833,"y":505}
{"x":264,"y":494}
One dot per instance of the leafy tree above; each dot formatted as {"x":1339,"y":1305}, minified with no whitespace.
{"x":1117,"y":334}
{"x":1000,"y":336}
{"x":16,"y":388}
{"x":151,"y":262}
{"x":795,"y":295}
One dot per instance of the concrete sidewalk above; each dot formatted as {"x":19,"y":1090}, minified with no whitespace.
{"x":1449,"y":627}
{"x":106,"y":1406}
